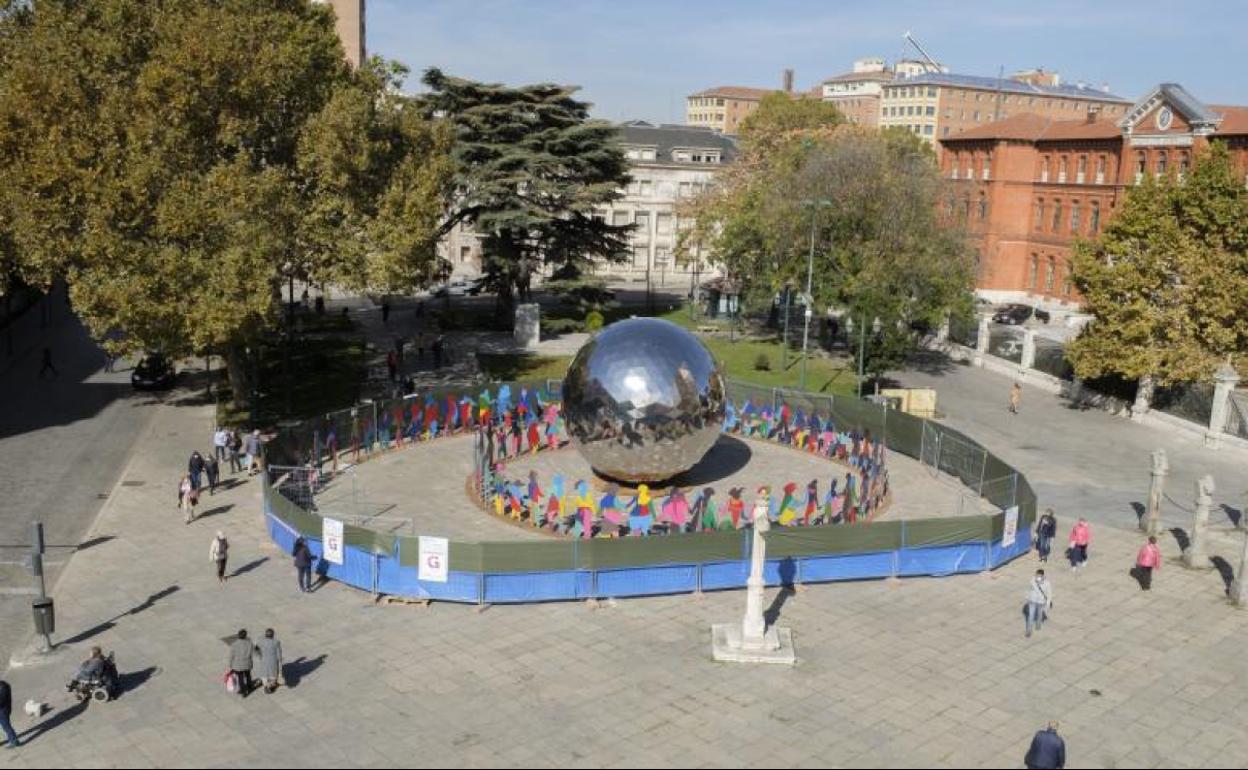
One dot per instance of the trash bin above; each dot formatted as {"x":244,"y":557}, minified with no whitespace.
{"x":45,"y":616}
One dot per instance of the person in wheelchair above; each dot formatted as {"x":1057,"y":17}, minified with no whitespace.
{"x":96,"y":677}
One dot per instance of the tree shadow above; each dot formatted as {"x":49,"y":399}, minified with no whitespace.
{"x":1180,"y":537}
{"x":100,"y":628}
{"x":1224,"y":569}
{"x":1236,"y":515}
{"x":215,"y":511}
{"x":133,"y":680}
{"x":294,"y":672}
{"x":1140,"y":510}
{"x":54,"y":721}
{"x":249,"y":566}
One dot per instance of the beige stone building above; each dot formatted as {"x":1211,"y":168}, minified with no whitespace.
{"x":349,"y":23}
{"x":722,"y":109}
{"x":936,"y":105}
{"x":857,"y":94}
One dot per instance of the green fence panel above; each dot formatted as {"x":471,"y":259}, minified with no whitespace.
{"x":306,"y":524}
{"x":903,"y":433}
{"x":949,"y":530}
{"x":368,"y":540}
{"x":528,"y":556}
{"x":461,"y":557}
{"x":692,"y":548}
{"x":843,"y":538}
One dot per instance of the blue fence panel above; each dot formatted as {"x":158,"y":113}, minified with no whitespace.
{"x":726,"y":574}
{"x":533,"y":586}
{"x":859,"y":566}
{"x":668,"y":579}
{"x":281,"y":534}
{"x":397,"y":580}
{"x":942,"y":560}
{"x":1022,"y":544}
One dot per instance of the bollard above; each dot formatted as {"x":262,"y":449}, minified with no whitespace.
{"x":1196,"y":555}
{"x":1151,"y":521}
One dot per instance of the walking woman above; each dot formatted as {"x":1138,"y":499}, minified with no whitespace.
{"x":219,"y":552}
{"x":1046,"y":530}
{"x":1080,"y":538}
{"x":188,"y":497}
{"x":1147,"y":562}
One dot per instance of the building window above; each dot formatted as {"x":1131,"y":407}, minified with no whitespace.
{"x":1081,"y":175}
{"x":1163,"y":159}
{"x":986,"y":171}
{"x":928,"y":129}
{"x":1066,"y":283}
{"x":641,"y":256}
{"x":1049,"y":275}
{"x":983,"y":207}
{"x":966,"y":209}
{"x":1035,"y":272}
{"x":1074,"y":216}
{"x":1044,"y":169}
{"x":1039,"y":214}
{"x":1061,"y":170}
{"x":663,"y":223}
{"x":970,"y":174}
{"x":464,"y":253}
{"x":647,"y":188}
{"x":1057,"y":216}
{"x":685,"y":189}
{"x":977,"y":114}
{"x":931,"y":90}
{"x":642,"y":231}
{"x":931,"y":109}
{"x":1184,"y":159}
{"x":1100,"y":169}
{"x":1094,"y":221}
{"x":1141,"y":165}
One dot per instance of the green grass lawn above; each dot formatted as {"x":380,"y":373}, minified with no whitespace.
{"x":505,"y":367}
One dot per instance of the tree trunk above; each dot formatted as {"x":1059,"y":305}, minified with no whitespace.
{"x":236,"y":369}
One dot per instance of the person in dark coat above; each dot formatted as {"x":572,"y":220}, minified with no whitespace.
{"x":1046,"y":530}
{"x":6,"y":709}
{"x":212,"y":469}
{"x":241,"y":660}
{"x":195,"y":467}
{"x":303,"y":564}
{"x":1048,"y":750}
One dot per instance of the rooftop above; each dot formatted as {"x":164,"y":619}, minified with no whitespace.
{"x":667,"y":137}
{"x":1011,"y":86}
{"x":853,"y":77}
{"x":736,"y":92}
{"x":1035,"y":128}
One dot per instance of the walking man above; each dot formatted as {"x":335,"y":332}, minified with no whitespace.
{"x":241,"y":652}
{"x":6,"y":710}
{"x":212,"y":469}
{"x":219,"y":552}
{"x":235,"y":446}
{"x":47,"y":366}
{"x":1039,"y":601}
{"x":303,"y":565}
{"x":1046,"y":530}
{"x":1148,"y":560}
{"x":252,"y":447}
{"x":1016,"y":397}
{"x":1048,"y":750}
{"x":195,"y":467}
{"x":1080,"y":538}
{"x":220,"y":442}
{"x":269,"y":650}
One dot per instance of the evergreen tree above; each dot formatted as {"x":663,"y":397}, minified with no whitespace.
{"x":530,"y":171}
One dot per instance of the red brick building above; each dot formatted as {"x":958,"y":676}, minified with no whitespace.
{"x":1030,"y":186}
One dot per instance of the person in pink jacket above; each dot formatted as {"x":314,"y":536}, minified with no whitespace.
{"x":1080,"y":536}
{"x":1147,"y":562}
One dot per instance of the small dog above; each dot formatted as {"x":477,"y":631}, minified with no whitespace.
{"x":35,"y":709}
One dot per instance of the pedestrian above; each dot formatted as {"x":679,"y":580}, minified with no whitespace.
{"x":1146,"y":562}
{"x":1046,"y":530}
{"x":385,"y":312}
{"x":188,"y":498}
{"x":109,"y":360}
{"x":1080,"y":537}
{"x":212,"y":469}
{"x":241,"y":652}
{"x":437,"y":352}
{"x":47,"y":366}
{"x":251,"y":447}
{"x":220,"y":442}
{"x":269,"y":670}
{"x":303,"y":565}
{"x":219,"y":552}
{"x":1016,"y":397}
{"x":235,"y":446}
{"x":195,"y":467}
{"x":1048,"y":750}
{"x":1039,"y":601}
{"x":392,"y":365}
{"x":6,"y":710}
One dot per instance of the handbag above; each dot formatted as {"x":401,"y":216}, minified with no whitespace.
{"x":231,"y":682}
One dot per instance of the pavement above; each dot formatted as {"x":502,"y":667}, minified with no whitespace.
{"x":929,"y":672}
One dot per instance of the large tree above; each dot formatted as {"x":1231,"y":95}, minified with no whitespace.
{"x":1167,"y":280}
{"x":868,"y":203}
{"x":531,"y":170}
{"x":174,"y":160}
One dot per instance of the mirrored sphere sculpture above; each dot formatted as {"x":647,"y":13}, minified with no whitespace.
{"x":644,"y":400}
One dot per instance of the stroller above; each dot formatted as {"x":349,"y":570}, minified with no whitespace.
{"x":98,"y":683}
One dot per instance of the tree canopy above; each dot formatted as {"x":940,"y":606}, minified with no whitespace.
{"x":1166,"y":281}
{"x":174,"y":160}
{"x":871,"y":202}
{"x":531,"y":168}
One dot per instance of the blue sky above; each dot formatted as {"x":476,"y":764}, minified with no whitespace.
{"x":639,"y":58}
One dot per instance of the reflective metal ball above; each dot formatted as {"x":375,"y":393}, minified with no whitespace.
{"x":643,"y":400}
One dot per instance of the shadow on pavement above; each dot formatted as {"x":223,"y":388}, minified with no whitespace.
{"x":93,"y":542}
{"x":1234,"y":514}
{"x":133,"y":680}
{"x":1224,"y":569}
{"x":54,"y":721}
{"x":100,"y":628}
{"x":1139,"y":511}
{"x":294,"y":672}
{"x":216,"y":511}
{"x":1180,"y":537}
{"x":249,"y":566}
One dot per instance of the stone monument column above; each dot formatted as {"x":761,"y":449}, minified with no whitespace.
{"x":752,"y":641}
{"x":981,"y":341}
{"x":1239,"y":588}
{"x":1151,"y":521}
{"x":1224,"y":383}
{"x":754,"y":625}
{"x":1196,"y":555}
{"x":1029,"y":345}
{"x":528,"y":332}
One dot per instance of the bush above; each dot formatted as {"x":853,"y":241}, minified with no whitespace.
{"x":593,"y":321}
{"x":762,"y":363}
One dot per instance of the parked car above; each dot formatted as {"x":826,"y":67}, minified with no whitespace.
{"x":456,"y":288}
{"x":477,"y":286}
{"x":1014,"y":315}
{"x":154,"y":372}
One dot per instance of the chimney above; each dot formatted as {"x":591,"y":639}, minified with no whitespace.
{"x":788,"y":81}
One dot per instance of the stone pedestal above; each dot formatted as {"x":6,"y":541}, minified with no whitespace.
{"x":1239,"y":588}
{"x":1029,"y":346}
{"x":1224,"y":384}
{"x":528,"y":331}
{"x":751,"y":641}
{"x":1196,"y":555}
{"x":1151,"y":521}
{"x":1143,"y":397}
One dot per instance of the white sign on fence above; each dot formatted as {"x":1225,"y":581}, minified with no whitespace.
{"x":1011,"y":527}
{"x":331,"y":540}
{"x":434,"y":557}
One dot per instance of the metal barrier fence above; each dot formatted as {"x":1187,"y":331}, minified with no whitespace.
{"x":519,"y":571}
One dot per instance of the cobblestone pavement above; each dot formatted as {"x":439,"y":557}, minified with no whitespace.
{"x":928,"y":672}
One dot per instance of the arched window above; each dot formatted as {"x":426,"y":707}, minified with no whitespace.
{"x":987,"y":169}
{"x":1141,"y":165}
{"x":1035,"y":271}
{"x":1163,"y":159}
{"x":1094,"y":221}
{"x":1100,"y":169}
{"x":1057,"y":216}
{"x":1039,"y":213}
{"x":1049,"y":275}
{"x":966,"y":208}
{"x":1184,"y":160}
{"x":1044,"y":169}
{"x":1061,"y":170}
{"x":1074,"y":217}
{"x":1081,"y":175}
{"x":983,"y":207}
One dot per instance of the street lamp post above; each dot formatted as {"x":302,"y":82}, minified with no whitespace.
{"x":862,"y":344}
{"x":810,"y":274}
{"x":788,"y":303}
